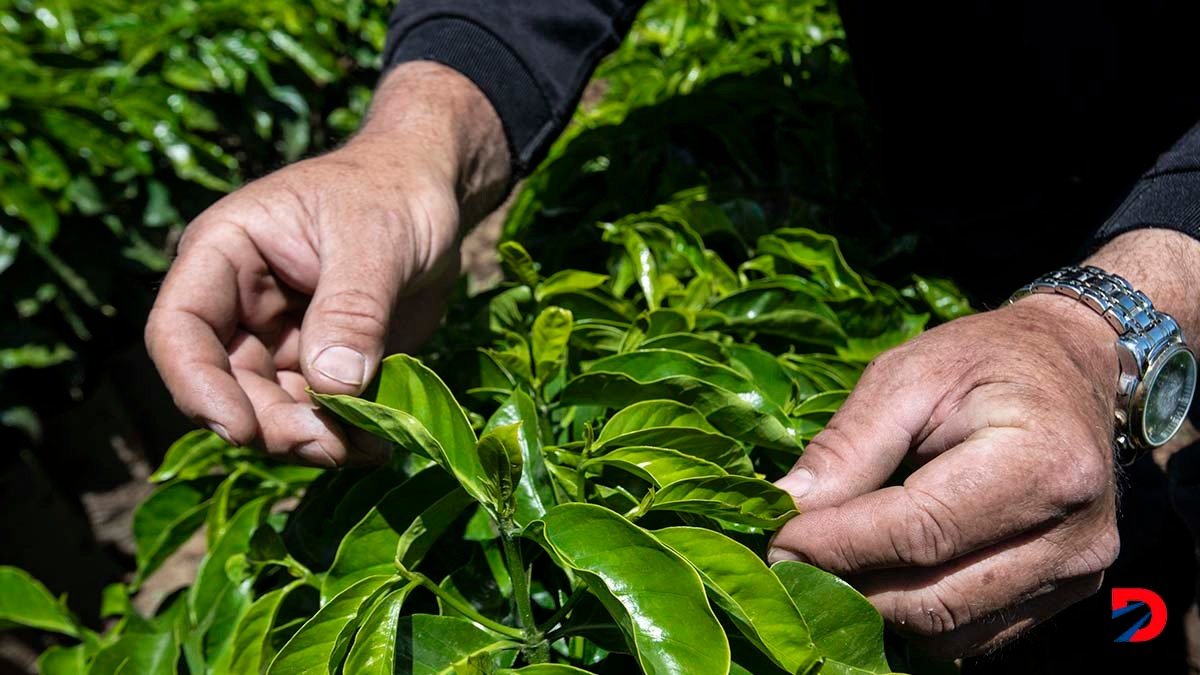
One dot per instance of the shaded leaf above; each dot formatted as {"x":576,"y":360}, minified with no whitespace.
{"x":24,"y":601}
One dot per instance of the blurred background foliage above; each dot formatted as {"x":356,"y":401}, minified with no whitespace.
{"x":119,"y":121}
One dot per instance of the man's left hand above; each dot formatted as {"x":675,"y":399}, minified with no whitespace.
{"x":1007,"y":416}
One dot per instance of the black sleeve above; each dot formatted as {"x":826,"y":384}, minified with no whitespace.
{"x":1167,"y":196}
{"x":531,"y":58}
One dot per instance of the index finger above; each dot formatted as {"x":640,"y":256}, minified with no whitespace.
{"x":961,"y":501}
{"x":194,"y":316}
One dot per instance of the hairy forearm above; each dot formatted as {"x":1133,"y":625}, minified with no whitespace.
{"x":1163,"y":264}
{"x":429,"y":108}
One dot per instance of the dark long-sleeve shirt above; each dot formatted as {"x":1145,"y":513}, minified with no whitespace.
{"x":1010,"y":130}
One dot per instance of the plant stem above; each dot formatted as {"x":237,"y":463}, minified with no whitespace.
{"x":467,"y":610}
{"x":540,"y":652}
{"x":566,"y":607}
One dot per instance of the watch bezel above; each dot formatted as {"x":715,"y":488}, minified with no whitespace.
{"x":1137,"y":404}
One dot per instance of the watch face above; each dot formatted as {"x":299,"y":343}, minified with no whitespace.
{"x":1169,"y":389}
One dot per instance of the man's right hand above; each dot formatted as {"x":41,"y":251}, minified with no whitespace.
{"x":307,"y":277}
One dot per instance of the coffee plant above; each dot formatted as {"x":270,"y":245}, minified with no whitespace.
{"x":580,"y":465}
{"x":590,"y":494}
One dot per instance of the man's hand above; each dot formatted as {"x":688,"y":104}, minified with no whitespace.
{"x":1008,"y":417}
{"x":307,"y":277}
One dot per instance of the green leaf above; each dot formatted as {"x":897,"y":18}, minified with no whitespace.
{"x":660,"y":466}
{"x":737,"y":499}
{"x":500,"y":455}
{"x":826,"y":402}
{"x":727,"y":399}
{"x":191,"y":456}
{"x":545,"y":669}
{"x":820,"y":255}
{"x":213,"y":584}
{"x":63,"y":660}
{"x":776,"y":308}
{"x":141,"y":653}
{"x":567,"y":281}
{"x":669,"y":424}
{"x":535,"y":490}
{"x":402,"y":526}
{"x":742,"y":585}
{"x":374,"y":650}
{"x":655,"y":597}
{"x":167,"y":519}
{"x":24,"y":601}
{"x":943,"y":297}
{"x":864,"y":349}
{"x":449,"y":645}
{"x":250,"y":648}
{"x":313,"y":648}
{"x":410,"y":405}
{"x":847,"y":630}
{"x":551,"y":332}
{"x":518,"y":263}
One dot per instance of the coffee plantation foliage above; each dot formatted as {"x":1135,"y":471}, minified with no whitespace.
{"x":582,"y":456}
{"x":122,"y":119}
{"x":589,"y":494}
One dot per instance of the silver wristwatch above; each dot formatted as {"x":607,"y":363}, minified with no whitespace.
{"x":1158,"y":371}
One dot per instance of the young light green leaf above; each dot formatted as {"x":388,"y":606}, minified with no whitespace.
{"x":654,"y":596}
{"x":448,"y":645}
{"x":749,"y":593}
{"x":24,"y":601}
{"x":644,"y":265}
{"x":374,"y":649}
{"x":502,"y":460}
{"x":551,"y":332}
{"x":311,"y":649}
{"x":192,"y":456}
{"x":737,"y":499}
{"x":518,"y":263}
{"x":847,"y":630}
{"x":567,"y":281}
{"x":403,"y":525}
{"x":535,"y":490}
{"x":727,"y":399}
{"x":660,"y":466}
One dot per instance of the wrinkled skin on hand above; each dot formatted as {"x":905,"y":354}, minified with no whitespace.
{"x":1009,"y":515}
{"x":309,"y":276}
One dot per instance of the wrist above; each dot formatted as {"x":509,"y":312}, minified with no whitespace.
{"x":431,"y":111}
{"x":1163,"y":264}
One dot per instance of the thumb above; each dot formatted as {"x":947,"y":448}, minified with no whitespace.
{"x":344,"y":329}
{"x":863,"y":443}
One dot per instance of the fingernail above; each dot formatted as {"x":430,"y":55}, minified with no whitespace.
{"x":314,"y":454}
{"x":342,"y":364}
{"x":775,"y":555}
{"x":796,"y":483}
{"x":220,"y":430}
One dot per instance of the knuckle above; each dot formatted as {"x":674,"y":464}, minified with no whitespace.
{"x":1079,"y":483}
{"x":1096,"y":555}
{"x":931,"y":612}
{"x":355,"y":311}
{"x":928,"y":535}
